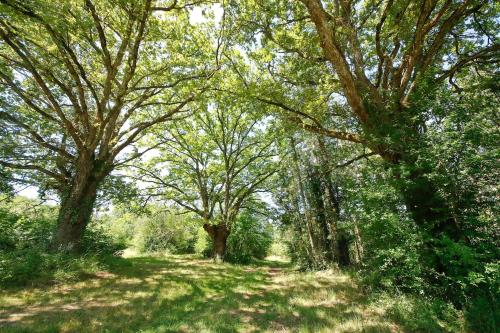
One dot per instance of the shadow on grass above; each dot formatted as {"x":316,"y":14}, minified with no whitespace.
{"x":186,"y":294}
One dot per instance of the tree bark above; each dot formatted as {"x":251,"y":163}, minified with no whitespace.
{"x":219,"y":234}
{"x":358,"y":243}
{"x":75,"y":213}
{"x":303,"y":199}
{"x":344,"y":259}
{"x":316,"y":191}
{"x":339,"y":240}
{"x":77,"y":204}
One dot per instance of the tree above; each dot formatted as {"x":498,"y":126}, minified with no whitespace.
{"x":213,"y":165}
{"x":310,"y":198}
{"x":362,"y":67}
{"x":81,"y":84}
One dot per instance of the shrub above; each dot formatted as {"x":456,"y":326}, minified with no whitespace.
{"x":250,"y":238}
{"x":25,"y":235}
{"x":23,"y":228}
{"x":482,"y":314}
{"x":418,"y":314}
{"x":203,"y":244}
{"x":30,"y":266}
{"x":278,"y":248}
{"x":18,"y":267}
{"x":166,"y":232}
{"x":392,"y":257}
{"x":482,"y":308}
{"x":7,"y":222}
{"x":97,"y":241}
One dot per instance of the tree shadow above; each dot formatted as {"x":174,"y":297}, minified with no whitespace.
{"x":186,"y":294}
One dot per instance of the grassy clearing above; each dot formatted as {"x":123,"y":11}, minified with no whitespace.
{"x":188,"y":294}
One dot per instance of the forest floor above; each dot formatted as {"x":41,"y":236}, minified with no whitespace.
{"x":189,"y":294}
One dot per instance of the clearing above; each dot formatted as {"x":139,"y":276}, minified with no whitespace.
{"x":189,"y":294}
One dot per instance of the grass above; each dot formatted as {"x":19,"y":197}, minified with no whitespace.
{"x":189,"y":294}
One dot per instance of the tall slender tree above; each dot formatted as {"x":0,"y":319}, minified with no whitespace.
{"x":358,"y":71}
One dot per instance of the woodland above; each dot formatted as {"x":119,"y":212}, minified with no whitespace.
{"x":249,"y":166}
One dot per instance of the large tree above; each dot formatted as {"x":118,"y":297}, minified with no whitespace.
{"x":359,"y":71}
{"x":213,"y":164}
{"x":81,"y":82}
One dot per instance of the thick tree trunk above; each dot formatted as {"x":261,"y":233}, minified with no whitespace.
{"x":75,"y":213}
{"x":219,"y":234}
{"x":77,"y":204}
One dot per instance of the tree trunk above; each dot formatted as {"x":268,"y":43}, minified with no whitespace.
{"x":316,"y":192}
{"x":358,"y":243}
{"x":339,"y":241}
{"x":344,"y":259}
{"x":303,"y":199}
{"x":77,"y":204}
{"x":219,"y":234}
{"x":75,"y":213}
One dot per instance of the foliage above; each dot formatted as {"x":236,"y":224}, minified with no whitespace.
{"x":81,"y":83}
{"x":26,"y":229}
{"x":151,"y":229}
{"x":251,"y":238}
{"x":418,"y":314}
{"x":394,"y":176}
{"x":217,"y":162}
{"x":221,"y":156}
{"x":203,"y":245}
{"x":166,"y":232}
{"x":25,"y":224}
{"x":391,"y":242}
{"x":482,"y":309}
{"x":278,"y":249}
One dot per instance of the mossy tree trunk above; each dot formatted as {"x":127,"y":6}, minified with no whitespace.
{"x":77,"y":204}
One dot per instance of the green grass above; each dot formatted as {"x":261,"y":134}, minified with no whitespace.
{"x":188,"y":294}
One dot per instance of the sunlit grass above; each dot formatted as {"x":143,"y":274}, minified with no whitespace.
{"x":189,"y":294}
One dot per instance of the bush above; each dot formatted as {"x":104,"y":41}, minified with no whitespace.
{"x":417,"y":314}
{"x":166,"y":232}
{"x":21,"y":228}
{"x":7,"y":237}
{"x":203,"y":244}
{"x":392,"y":257}
{"x":121,"y":223}
{"x":481,"y":310}
{"x":31,"y":266}
{"x":278,"y":248}
{"x":25,"y":237}
{"x":97,"y":241}
{"x":250,"y":238}
{"x":482,"y":314}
